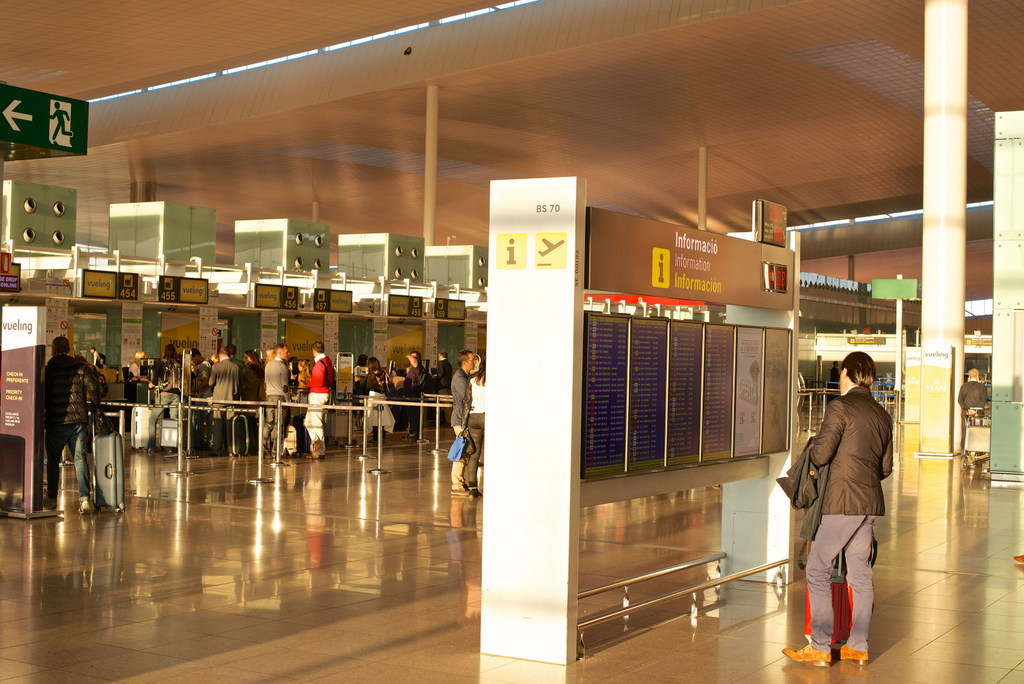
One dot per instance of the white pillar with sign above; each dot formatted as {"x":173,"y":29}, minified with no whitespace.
{"x":430,"y":342}
{"x":472,"y":332}
{"x":380,"y":340}
{"x":331,"y":335}
{"x":531,"y":532}
{"x":209,"y":335}
{"x":268,"y":329}
{"x":131,"y":332}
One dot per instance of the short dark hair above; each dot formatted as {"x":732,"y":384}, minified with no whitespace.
{"x":464,"y":356}
{"x":231,"y":349}
{"x":279,"y":346}
{"x":860,"y":368}
{"x":318,"y":347}
{"x":61,"y":345}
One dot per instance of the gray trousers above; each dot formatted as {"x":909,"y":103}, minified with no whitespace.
{"x":836,"y":532}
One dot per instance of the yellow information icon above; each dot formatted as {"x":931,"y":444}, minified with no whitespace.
{"x":661,"y":267}
{"x":551,"y":249}
{"x":510,"y":251}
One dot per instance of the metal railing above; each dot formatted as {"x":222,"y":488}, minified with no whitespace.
{"x":710,"y":584}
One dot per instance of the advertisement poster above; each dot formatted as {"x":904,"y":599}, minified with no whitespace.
{"x":748,"y":391}
{"x":380,"y":339}
{"x":331,"y":335}
{"x":912,"y":386}
{"x":936,"y":400}
{"x":775,"y":421}
{"x":58,"y":320}
{"x":24,"y":352}
{"x":209,"y":334}
{"x":131,"y":332}
{"x":268,"y":329}
{"x":430,"y":343}
{"x":402,"y":339}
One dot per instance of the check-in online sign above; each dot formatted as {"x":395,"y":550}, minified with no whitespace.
{"x":32,"y":119}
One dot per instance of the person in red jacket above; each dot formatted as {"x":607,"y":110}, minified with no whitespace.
{"x":320,"y":385}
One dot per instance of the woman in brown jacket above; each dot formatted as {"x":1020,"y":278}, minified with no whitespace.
{"x":856,"y":440}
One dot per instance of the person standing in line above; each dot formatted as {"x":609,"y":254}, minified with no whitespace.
{"x":855,"y":438}
{"x":320,"y":384}
{"x":377,"y":380}
{"x":226,"y":381}
{"x":444,"y":380}
{"x":833,"y":381}
{"x":201,"y":389}
{"x":99,"y":360}
{"x":972,"y":395}
{"x":412,"y":388}
{"x":461,"y":401}
{"x":252,"y":378}
{"x":168,"y":388}
{"x":277,"y":376}
{"x":70,"y":393}
{"x":478,"y":390}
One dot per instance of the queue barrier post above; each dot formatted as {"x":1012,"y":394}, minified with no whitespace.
{"x":436,"y":451}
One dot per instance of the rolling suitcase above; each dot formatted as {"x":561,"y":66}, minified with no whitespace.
{"x":169,"y":433}
{"x":242,"y":437}
{"x":108,"y":470}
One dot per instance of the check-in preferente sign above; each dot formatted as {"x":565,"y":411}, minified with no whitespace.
{"x":42,"y":124}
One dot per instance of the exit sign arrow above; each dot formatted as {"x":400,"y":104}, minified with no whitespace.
{"x":37,"y":124}
{"x":10,"y":114}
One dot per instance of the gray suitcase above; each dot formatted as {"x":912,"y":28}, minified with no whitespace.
{"x":108,"y":470}
{"x":169,"y":433}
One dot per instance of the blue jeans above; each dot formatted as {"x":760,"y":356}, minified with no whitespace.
{"x":57,"y":437}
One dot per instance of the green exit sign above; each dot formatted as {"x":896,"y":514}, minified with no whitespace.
{"x":35,"y":124}
{"x":894,"y":288}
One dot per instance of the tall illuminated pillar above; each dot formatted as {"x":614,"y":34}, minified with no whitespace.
{"x":944,"y":238}
{"x":430,"y":169}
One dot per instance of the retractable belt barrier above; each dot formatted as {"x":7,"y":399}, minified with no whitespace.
{"x":187,"y":405}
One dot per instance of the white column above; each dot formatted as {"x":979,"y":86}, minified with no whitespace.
{"x":430,"y":169}
{"x":944,"y":237}
{"x":532,"y":511}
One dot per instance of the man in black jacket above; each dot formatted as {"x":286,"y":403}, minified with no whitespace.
{"x":71,"y":392}
{"x":855,"y":440}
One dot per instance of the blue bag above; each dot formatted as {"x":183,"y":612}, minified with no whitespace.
{"x":456,"y":449}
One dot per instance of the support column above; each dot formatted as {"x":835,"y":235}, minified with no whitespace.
{"x":142,"y":191}
{"x":851,"y":267}
{"x":702,"y":187}
{"x":430,"y":169}
{"x":944,"y":237}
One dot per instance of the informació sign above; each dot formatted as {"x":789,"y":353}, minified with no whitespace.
{"x":36,"y":124}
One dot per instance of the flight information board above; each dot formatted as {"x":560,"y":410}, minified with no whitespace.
{"x":685,"y":385}
{"x":716,"y":425}
{"x":749,"y":347}
{"x":775,"y":415}
{"x":605,"y":392}
{"x":648,"y":377}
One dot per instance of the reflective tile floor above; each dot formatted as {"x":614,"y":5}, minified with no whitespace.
{"x":334,"y":573}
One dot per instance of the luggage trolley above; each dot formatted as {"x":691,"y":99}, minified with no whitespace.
{"x":977,"y":440}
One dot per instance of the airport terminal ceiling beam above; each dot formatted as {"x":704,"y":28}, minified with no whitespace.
{"x":439,"y":51}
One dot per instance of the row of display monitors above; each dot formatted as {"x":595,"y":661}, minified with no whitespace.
{"x":666,"y":393}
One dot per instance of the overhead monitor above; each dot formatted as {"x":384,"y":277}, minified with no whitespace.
{"x":405,"y":305}
{"x":605,"y":391}
{"x":685,"y":391}
{"x":648,"y":380}
{"x":332,"y":301}
{"x":716,"y":423}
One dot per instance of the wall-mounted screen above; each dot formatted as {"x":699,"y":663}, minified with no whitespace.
{"x":606,"y":374}
{"x":749,"y":369}
{"x":406,"y":306}
{"x":648,"y":377}
{"x":716,"y":423}
{"x":775,"y":417}
{"x":685,"y":384}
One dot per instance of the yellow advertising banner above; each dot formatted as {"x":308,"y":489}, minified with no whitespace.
{"x":180,"y":330}
{"x":301,"y":333}
{"x":936,"y":401}
{"x":403,"y":339}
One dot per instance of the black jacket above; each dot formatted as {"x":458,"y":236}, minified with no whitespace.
{"x":972,"y":395}
{"x":855,"y":439}
{"x":71,"y":391}
{"x":805,"y":485}
{"x":444,"y":374}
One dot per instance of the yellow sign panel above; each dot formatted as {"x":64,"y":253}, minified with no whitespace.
{"x":268,"y":296}
{"x":661,"y":268}
{"x":99,"y":284}
{"x":511,"y":251}
{"x":551,"y":250}
{"x":194,"y":291}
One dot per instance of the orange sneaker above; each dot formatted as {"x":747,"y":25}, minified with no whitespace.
{"x":809,"y":654}
{"x":1019,"y":559}
{"x":859,"y":657}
